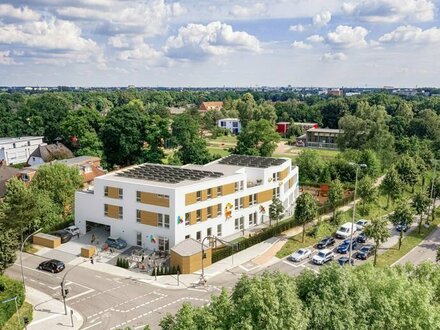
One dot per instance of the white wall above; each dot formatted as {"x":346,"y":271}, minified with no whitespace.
{"x":16,"y":151}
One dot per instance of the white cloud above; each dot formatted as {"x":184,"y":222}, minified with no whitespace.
{"x":333,"y":57}
{"x":412,"y":34}
{"x":5,"y":59}
{"x":301,"y":45}
{"x":119,"y":41}
{"x":23,"y":13}
{"x":348,"y":37}
{"x":216,"y":38}
{"x":142,"y":51}
{"x":322,"y":19}
{"x":315,"y":38}
{"x":391,"y":11}
{"x":248,"y":11}
{"x":297,"y":28}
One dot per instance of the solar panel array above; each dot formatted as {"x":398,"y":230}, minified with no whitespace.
{"x":251,"y":161}
{"x":166,"y":174}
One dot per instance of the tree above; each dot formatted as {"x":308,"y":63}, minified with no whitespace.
{"x":367,"y":192}
{"x":275,"y":210}
{"x":377,"y":230}
{"x":335,"y":196}
{"x":407,"y":170}
{"x":437,"y":257}
{"x":420,"y":203}
{"x":305,"y":210}
{"x":258,"y":138}
{"x":8,"y":247}
{"x":403,"y":215}
{"x":311,"y":166}
{"x":391,"y":184}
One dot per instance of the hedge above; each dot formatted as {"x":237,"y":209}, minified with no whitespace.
{"x":165,"y":270}
{"x":9,"y":288}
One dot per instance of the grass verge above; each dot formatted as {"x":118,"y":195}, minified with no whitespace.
{"x":14,"y":323}
{"x":218,"y":151}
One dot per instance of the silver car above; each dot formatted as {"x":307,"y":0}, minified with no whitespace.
{"x":300,"y":255}
{"x":74,"y":230}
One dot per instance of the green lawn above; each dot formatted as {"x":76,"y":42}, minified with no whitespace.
{"x":224,"y":139}
{"x":219,"y":151}
{"x":13,"y":323}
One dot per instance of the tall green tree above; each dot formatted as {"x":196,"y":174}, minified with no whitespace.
{"x":311,"y":165}
{"x":403,"y":215}
{"x":420,"y":203}
{"x":335,"y":196}
{"x":408,"y":171}
{"x":258,"y":138}
{"x":276,"y":210}
{"x":306,"y":210}
{"x":8,"y":247}
{"x":391,"y":185}
{"x":377,"y":230}
{"x":367,"y":192}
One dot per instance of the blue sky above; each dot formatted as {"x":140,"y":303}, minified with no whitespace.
{"x":329,"y":43}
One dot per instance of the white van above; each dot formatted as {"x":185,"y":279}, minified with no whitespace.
{"x":346,"y":230}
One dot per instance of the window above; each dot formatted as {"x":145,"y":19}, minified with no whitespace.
{"x":187,"y":236}
{"x":106,"y":191}
{"x":253,"y":219}
{"x":120,"y":193}
{"x":163,"y":196}
{"x":241,"y":202}
{"x":199,"y":235}
{"x":219,"y":210}
{"x":236,"y":186}
{"x":236,"y":204}
{"x":219,"y":230}
{"x":236,"y":223}
{"x":241,"y":185}
{"x":209,"y":231}
{"x":138,"y":196}
{"x":138,"y":239}
{"x":163,"y":220}
{"x":239,"y":223}
{"x":276,"y":192}
{"x":187,"y":219}
{"x":209,"y":193}
{"x":209,"y":212}
{"x":219,"y":191}
{"x":164,"y":244}
{"x":106,"y":210}
{"x":235,"y":124}
{"x":276,"y":176}
{"x":253,"y":199}
{"x":120,"y":212}
{"x":223,"y":124}
{"x":199,"y":215}
{"x":138,"y":215}
{"x":199,"y":196}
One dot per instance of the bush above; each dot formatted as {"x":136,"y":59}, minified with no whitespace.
{"x":9,"y":289}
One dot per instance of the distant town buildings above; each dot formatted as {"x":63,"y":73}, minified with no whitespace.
{"x":17,"y":150}
{"x":232,"y":124}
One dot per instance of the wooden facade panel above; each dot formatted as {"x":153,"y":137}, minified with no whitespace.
{"x":113,"y":211}
{"x":229,"y":189}
{"x":149,"y":218}
{"x":264,"y":196}
{"x":204,"y":214}
{"x":245,"y":201}
{"x":283,"y":173}
{"x":190,"y":198}
{"x":191,"y":264}
{"x":46,"y":240}
{"x":214,"y":192}
{"x":113,"y":192}
{"x":290,"y":183}
{"x":154,"y":199}
{"x":204,"y":195}
{"x":193,"y":217}
{"x":214,"y":211}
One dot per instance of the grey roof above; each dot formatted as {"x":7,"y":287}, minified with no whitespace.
{"x":188,"y":247}
{"x":325,"y":130}
{"x":6,"y":173}
{"x":79,"y":160}
{"x":50,"y":152}
{"x":251,"y":161}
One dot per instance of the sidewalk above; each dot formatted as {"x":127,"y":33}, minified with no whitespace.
{"x":48,"y":312}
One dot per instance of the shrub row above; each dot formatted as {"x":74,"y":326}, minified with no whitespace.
{"x":9,"y":289}
{"x":166,"y":270}
{"x":123,"y":263}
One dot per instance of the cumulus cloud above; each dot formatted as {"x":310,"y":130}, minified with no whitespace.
{"x":412,"y":34}
{"x":301,"y":45}
{"x":197,"y":41}
{"x":5,"y":58}
{"x":297,"y":28}
{"x":391,"y":11}
{"x":23,"y":14}
{"x":133,"y":48}
{"x":348,"y":37}
{"x":248,"y":11}
{"x":315,"y":38}
{"x":327,"y":57}
{"x":322,"y":19}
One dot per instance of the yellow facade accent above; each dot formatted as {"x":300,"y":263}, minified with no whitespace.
{"x":113,"y":211}
{"x":204,"y":195}
{"x":264,"y":196}
{"x":190,"y":198}
{"x":149,"y":218}
{"x":113,"y":192}
{"x":154,"y":199}
{"x":204,"y":214}
{"x":193,"y":218}
{"x":191,"y":264}
{"x":214,"y":192}
{"x":290,"y":183}
{"x":245,"y":201}
{"x":228,"y":189}
{"x":214,"y":210}
{"x":283,"y":173}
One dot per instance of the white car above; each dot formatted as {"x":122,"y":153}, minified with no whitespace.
{"x":323,"y":256}
{"x":345,"y":231}
{"x":74,"y":230}
{"x":361,"y":224}
{"x":301,"y":254}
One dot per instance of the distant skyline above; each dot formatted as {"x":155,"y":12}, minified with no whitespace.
{"x":333,"y":43}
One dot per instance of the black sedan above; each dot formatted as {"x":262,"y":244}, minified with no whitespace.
{"x":326,"y":242}
{"x":63,"y":234}
{"x":53,"y":266}
{"x":402,"y":227}
{"x":345,"y":261}
{"x":364,"y":252}
{"x":362,"y":238}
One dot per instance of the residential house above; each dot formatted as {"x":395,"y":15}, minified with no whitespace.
{"x":206,"y":106}
{"x":17,"y":150}
{"x":232,"y":124}
{"x":324,"y":138}
{"x":6,"y":173}
{"x":46,"y":153}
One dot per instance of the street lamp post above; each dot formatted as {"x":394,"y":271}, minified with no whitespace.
{"x":358,"y":166}
{"x":202,"y":277}
{"x":21,"y":255}
{"x":16,"y":308}
{"x":63,"y":292}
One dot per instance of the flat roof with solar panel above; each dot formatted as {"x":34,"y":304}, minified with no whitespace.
{"x":166,"y":173}
{"x":251,"y":161}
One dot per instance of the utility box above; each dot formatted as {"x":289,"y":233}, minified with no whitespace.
{"x":46,"y":240}
{"x":88,"y":251}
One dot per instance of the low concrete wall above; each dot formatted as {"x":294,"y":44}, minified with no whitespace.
{"x":46,"y":240}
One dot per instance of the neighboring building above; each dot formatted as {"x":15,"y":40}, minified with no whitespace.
{"x":46,"y":153}
{"x":306,"y":126}
{"x":158,"y":206}
{"x":206,"y":106}
{"x":232,"y":124}
{"x":325,"y":138}
{"x":6,"y":173}
{"x":282,"y":127}
{"x":335,"y":92}
{"x":89,"y":167}
{"x":17,"y":150}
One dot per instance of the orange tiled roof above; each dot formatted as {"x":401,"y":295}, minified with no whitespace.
{"x":205,"y":106}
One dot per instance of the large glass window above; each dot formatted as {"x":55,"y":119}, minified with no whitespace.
{"x":199,"y":235}
{"x":120,"y":212}
{"x":219,"y":210}
{"x":187,"y":219}
{"x":138,"y":196}
{"x":199,"y":196}
{"x":199,"y":215}
{"x":138,"y":215}
{"x":139,"y":239}
{"x":163,"y":220}
{"x":209,"y":212}
{"x":219,"y":230}
{"x":219,"y":190}
{"x":164,"y":244}
{"x":209,"y":193}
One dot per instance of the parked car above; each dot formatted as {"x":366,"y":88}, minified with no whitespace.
{"x":326,"y":242}
{"x":362,"y":238}
{"x":53,"y":266}
{"x":365,"y":251}
{"x":63,"y":234}
{"x":323,"y":256}
{"x":344,"y":247}
{"x":74,"y":230}
{"x":361,"y":224}
{"x":401,"y":227}
{"x":301,"y":254}
{"x":345,"y":261}
{"x":346,"y":230}
{"x":116,"y":242}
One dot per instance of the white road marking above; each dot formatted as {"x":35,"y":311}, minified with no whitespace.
{"x":80,"y":294}
{"x":91,"y":326}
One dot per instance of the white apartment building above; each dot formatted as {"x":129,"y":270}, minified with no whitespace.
{"x":157,"y":206}
{"x":232,"y":124}
{"x":17,"y":150}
